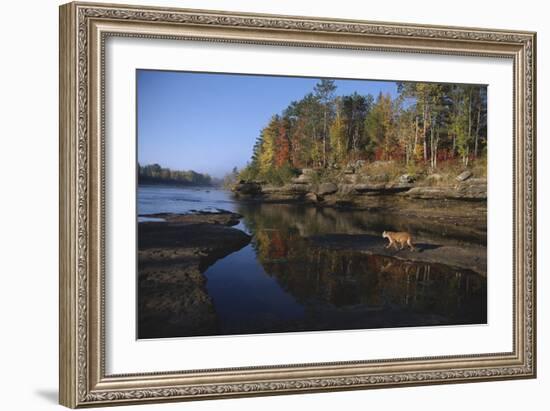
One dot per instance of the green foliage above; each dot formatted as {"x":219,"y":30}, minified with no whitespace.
{"x":424,"y":124}
{"x":249,"y":173}
{"x":280,"y":175}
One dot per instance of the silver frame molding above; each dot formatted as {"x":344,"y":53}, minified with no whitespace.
{"x":84,"y":27}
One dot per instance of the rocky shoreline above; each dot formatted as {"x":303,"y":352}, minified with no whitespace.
{"x":357,"y":190}
{"x":172,"y":256}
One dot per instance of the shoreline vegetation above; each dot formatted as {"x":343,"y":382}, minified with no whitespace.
{"x":428,"y":142}
{"x":155,"y":174}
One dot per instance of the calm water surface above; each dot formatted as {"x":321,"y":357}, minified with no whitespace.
{"x":283,"y":282}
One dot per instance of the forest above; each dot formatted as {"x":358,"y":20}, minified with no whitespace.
{"x":424,"y":127}
{"x":155,"y":174}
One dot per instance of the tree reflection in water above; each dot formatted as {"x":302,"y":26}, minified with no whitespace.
{"x":339,"y":288}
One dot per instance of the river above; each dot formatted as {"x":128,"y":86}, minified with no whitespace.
{"x":284,"y":282}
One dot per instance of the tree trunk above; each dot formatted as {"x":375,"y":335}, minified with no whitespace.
{"x":469,"y":126}
{"x":432,"y":146}
{"x":425,"y":118}
{"x":454,"y":145}
{"x":415,"y":135}
{"x":436,"y":144}
{"x":477,"y":127}
{"x":325,"y":139}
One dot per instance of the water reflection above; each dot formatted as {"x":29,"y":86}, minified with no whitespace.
{"x":289,"y":279}
{"x":319,"y":288}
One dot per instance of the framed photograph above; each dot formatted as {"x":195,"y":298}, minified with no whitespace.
{"x":259,"y":204}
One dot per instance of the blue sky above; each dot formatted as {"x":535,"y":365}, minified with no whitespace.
{"x":209,"y":122}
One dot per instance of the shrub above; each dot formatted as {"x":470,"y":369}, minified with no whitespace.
{"x":279,"y":176}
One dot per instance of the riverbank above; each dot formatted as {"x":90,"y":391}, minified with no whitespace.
{"x":357,"y":189}
{"x":172,"y":256}
{"x":454,"y":205}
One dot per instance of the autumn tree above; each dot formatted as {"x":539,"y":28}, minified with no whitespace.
{"x":267,"y":150}
{"x":282,"y":144}
{"x":380,"y":127}
{"x":324,"y":92}
{"x":354,"y":109}
{"x":337,"y":134}
{"x":421,"y":123}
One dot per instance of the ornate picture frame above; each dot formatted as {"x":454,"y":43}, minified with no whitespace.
{"x":84,"y":28}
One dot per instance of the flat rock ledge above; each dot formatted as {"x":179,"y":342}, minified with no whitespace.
{"x":330,"y":193}
{"x":221,"y":217}
{"x":172,"y":257}
{"x":469,"y":257}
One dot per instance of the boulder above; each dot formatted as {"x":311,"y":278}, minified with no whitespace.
{"x":327,"y":188}
{"x":406,"y":178}
{"x":465,"y":175}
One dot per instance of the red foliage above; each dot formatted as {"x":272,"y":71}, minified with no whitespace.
{"x":282,"y":146}
{"x":278,"y":247}
{"x":379,"y":154}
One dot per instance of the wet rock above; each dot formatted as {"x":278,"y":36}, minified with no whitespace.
{"x":465,"y":175}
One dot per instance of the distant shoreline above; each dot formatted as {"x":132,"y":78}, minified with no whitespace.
{"x":177,"y":184}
